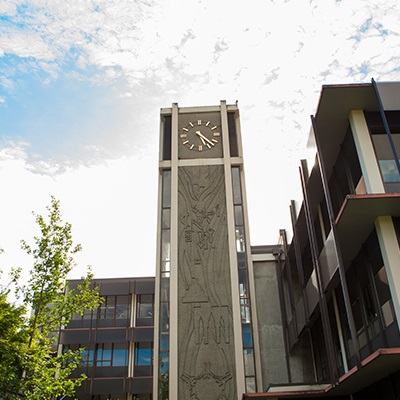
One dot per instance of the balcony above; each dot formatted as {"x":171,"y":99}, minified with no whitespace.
{"x":356,"y":219}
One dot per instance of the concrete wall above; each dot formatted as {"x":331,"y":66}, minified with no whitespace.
{"x":272,"y":350}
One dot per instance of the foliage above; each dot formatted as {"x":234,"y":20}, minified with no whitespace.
{"x":39,"y":370}
{"x":12,"y":345}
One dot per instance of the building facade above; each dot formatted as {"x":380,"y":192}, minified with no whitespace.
{"x":117,"y":339}
{"x":205,"y":343}
{"x":339,"y":277}
{"x":314,"y":316}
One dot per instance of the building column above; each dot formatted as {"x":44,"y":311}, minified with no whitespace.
{"x":366,"y":154}
{"x":391,"y":257}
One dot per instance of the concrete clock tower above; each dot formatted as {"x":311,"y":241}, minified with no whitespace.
{"x":204,"y":337}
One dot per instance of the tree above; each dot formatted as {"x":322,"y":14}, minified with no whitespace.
{"x":12,"y":345}
{"x":40,"y":371}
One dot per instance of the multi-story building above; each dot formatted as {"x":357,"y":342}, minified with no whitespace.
{"x":340,"y":274}
{"x":118,"y":340}
{"x":315,"y":316}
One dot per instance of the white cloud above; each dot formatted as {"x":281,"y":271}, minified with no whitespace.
{"x":271,"y":56}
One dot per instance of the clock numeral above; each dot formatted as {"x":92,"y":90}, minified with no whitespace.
{"x":209,"y":145}
{"x":199,"y":122}
{"x":200,"y":147}
{"x":191,"y":146}
{"x":214,"y":140}
{"x":183,"y":135}
{"x":191,"y":124}
{"x":214,"y":127}
{"x":208,"y":123}
{"x":186,"y":141}
{"x":185,"y":129}
{"x":216,"y":133}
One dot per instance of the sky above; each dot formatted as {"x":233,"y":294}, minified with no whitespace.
{"x":82,"y":83}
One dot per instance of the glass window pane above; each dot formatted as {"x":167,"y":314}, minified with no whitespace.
{"x":165,"y":246}
{"x":245,"y":310}
{"x":87,"y":357}
{"x":385,"y":158}
{"x":164,"y":290}
{"x":164,"y":363}
{"x":166,"y":266}
{"x":241,"y":256}
{"x":240,"y":246}
{"x":237,"y":194}
{"x":143,"y":354}
{"x":145,"y":310}
{"x":166,"y":194}
{"x":164,"y":317}
{"x":166,"y":218}
{"x":250,"y":385}
{"x":247,"y":336}
{"x":122,"y":308}
{"x":164,"y":341}
{"x":387,"y":312}
{"x":120,"y":357}
{"x":384,"y":298}
{"x":239,"y":215}
{"x":243,"y":284}
{"x":248,"y":362}
{"x":389,"y":171}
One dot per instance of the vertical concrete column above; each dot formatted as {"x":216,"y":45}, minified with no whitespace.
{"x":237,"y":327}
{"x":391,"y":258}
{"x":173,"y":294}
{"x":365,"y":150}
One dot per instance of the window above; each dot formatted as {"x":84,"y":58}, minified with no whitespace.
{"x":145,"y":306}
{"x":244,"y":293}
{"x":143,"y":354}
{"x":385,"y":153}
{"x":165,"y":268}
{"x":87,"y":356}
{"x":111,"y":355}
{"x":115,"y":308}
{"x":144,"y":309}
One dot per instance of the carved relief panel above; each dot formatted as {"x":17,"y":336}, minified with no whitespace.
{"x":206,"y":364}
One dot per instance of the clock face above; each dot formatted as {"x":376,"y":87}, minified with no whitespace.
{"x":200,"y":135}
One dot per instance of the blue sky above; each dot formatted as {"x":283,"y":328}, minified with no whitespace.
{"x":82,"y":83}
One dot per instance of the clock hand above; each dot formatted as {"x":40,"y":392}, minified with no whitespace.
{"x":202,"y":137}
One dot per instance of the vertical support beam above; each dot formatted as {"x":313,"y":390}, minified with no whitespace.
{"x":283,"y":236}
{"x":299,"y":263}
{"x":391,"y":257}
{"x":342,"y":272}
{"x":366,"y":154}
{"x":237,"y":328}
{"x":340,"y":332}
{"x":173,"y":326}
{"x":326,"y":326}
{"x":156,"y":342}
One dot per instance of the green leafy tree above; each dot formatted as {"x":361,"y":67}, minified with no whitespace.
{"x":12,"y":346}
{"x":41,"y":371}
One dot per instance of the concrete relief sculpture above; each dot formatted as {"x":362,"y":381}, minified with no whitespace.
{"x":206,"y":363}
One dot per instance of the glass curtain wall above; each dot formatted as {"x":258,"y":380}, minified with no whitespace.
{"x":244,"y":293}
{"x":165,"y":269}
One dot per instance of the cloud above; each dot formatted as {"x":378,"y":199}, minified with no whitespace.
{"x":83,"y":83}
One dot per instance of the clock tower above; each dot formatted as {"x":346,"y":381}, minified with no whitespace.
{"x":204,"y":338}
